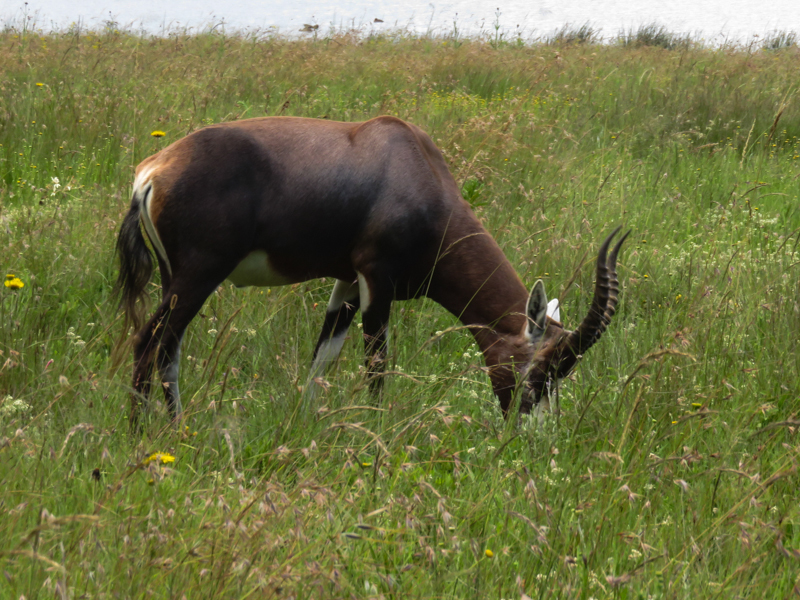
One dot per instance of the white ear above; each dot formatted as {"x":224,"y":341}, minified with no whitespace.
{"x":537,"y":312}
{"x":553,"y":310}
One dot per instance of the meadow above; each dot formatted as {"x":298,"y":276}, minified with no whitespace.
{"x":671,"y":470}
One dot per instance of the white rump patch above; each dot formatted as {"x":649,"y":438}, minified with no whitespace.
{"x":142,"y":180}
{"x":256,"y":270}
{"x":143,"y":191}
{"x":553,"y":310}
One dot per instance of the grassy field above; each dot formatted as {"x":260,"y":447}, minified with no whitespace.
{"x":672,"y":470}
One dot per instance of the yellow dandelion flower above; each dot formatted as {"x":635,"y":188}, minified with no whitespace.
{"x":13,"y":282}
{"x":158,"y":133}
{"x":160,"y":457}
{"x":40,"y":84}
{"x":489,"y":553}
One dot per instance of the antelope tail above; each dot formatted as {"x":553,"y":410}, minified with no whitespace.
{"x":135,"y":264}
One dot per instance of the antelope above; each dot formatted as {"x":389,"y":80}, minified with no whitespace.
{"x":280,"y":200}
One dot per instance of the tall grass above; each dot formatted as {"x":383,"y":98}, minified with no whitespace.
{"x":672,"y":471}
{"x":656,"y":36}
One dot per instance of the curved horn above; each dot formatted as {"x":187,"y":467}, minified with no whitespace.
{"x":602,"y":309}
{"x":613,"y":287}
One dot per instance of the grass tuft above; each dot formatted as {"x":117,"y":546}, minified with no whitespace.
{"x":570,"y":34}
{"x":779,"y":40}
{"x":655,"y":36}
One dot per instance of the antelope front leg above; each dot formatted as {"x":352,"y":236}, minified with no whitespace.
{"x":342,"y":307}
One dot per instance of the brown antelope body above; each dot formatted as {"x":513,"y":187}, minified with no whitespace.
{"x":280,"y":200}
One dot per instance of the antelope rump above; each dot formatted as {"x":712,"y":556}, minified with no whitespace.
{"x":281,"y":200}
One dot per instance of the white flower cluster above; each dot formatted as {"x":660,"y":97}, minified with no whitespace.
{"x":10,"y":407}
{"x":74,"y":338}
{"x":55,"y":185}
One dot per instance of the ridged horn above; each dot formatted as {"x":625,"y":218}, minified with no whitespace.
{"x":602,"y":309}
{"x":613,"y":287}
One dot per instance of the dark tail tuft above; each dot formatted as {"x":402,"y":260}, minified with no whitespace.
{"x":135,"y":268}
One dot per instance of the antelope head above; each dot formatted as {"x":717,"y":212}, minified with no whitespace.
{"x":556,"y":350}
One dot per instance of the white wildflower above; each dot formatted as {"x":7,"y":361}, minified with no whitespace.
{"x":9,"y":406}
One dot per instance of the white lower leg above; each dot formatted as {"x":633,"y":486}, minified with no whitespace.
{"x":169,"y":379}
{"x":541,"y":408}
{"x":329,"y":349}
{"x":327,"y":354}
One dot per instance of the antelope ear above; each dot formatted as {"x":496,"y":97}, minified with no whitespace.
{"x":554,"y":310}
{"x":537,"y":312}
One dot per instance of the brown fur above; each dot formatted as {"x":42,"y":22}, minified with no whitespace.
{"x":330,"y":199}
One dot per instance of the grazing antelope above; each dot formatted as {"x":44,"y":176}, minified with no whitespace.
{"x":280,"y":200}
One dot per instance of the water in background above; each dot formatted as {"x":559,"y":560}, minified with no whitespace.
{"x":714,"y":21}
